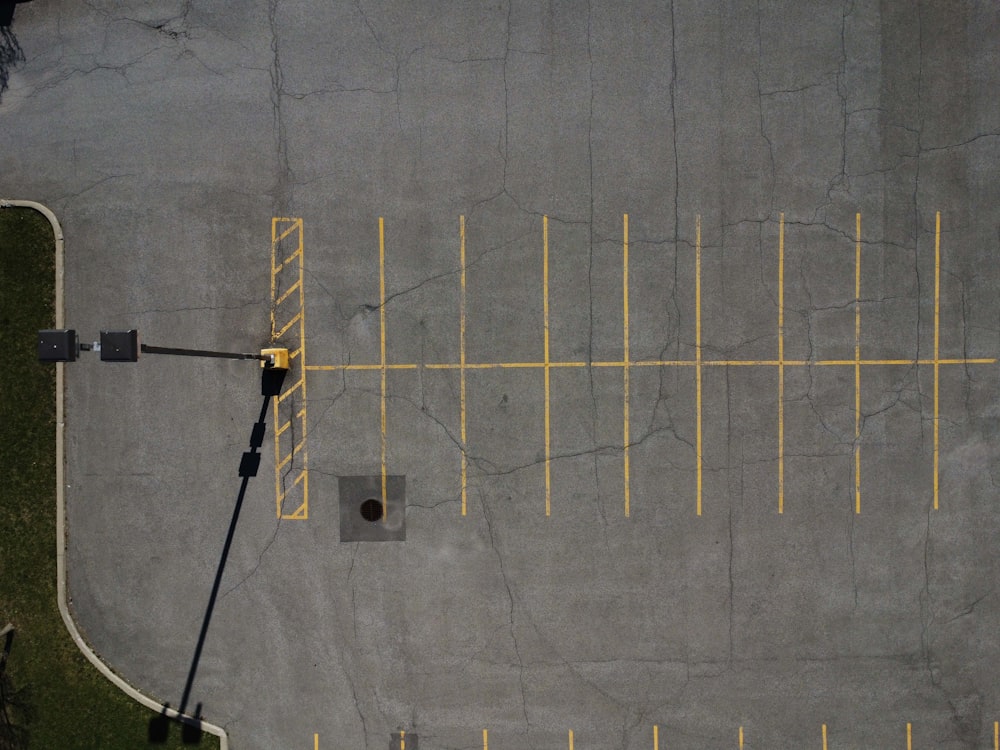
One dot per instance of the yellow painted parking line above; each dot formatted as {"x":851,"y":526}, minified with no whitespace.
{"x":698,"y":360}
{"x":658,"y":363}
{"x":857,"y":366}
{"x":545,"y":316}
{"x":781,"y":363}
{"x":626,"y":437}
{"x":824,"y":737}
{"x":741,"y":738}
{"x":937,"y":345}
{"x":996,"y":735}
{"x":486,"y":740}
{"x":570,"y":739}
{"x":461,"y":364}
{"x":315,"y":742}
{"x":656,"y":737}
{"x":626,"y":363}
{"x":909,"y":736}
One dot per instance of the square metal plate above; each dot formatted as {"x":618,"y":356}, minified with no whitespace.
{"x":361,"y":510}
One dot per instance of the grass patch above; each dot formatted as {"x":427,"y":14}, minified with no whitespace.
{"x":56,"y":699}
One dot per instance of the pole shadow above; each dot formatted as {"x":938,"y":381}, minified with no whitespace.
{"x":159,"y":726}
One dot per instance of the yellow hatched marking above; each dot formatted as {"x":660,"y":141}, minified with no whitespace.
{"x":381,"y":310}
{"x":545,"y":315}
{"x":781,"y":363}
{"x":461,"y":364}
{"x":937,"y":346}
{"x":286,"y":459}
{"x":698,"y":361}
{"x":289,"y":324}
{"x":291,"y":390}
{"x":626,"y":437}
{"x":287,"y":293}
{"x":857,"y":366}
{"x":288,"y":297}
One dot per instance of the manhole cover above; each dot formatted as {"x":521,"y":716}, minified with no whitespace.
{"x":365,"y":517}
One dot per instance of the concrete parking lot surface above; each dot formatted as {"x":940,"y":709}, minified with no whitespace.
{"x":662,"y":336}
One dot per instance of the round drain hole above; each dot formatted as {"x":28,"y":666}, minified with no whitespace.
{"x":371,"y":510}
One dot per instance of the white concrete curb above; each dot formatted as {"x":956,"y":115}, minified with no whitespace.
{"x":92,"y":657}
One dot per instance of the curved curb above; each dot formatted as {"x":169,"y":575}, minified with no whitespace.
{"x":67,"y":618}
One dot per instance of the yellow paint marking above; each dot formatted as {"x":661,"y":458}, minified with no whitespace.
{"x":857,"y":366}
{"x":937,"y":346}
{"x":290,"y":390}
{"x":295,"y":225}
{"x":741,"y":738}
{"x":781,"y":363}
{"x":545,"y":315}
{"x":293,"y":321}
{"x":287,"y":293}
{"x":315,"y":742}
{"x":626,"y":437}
{"x":287,"y":260}
{"x":570,"y":739}
{"x":698,"y":360}
{"x":288,"y":298}
{"x":824,"y":737}
{"x":909,"y":736}
{"x":996,"y":735}
{"x":381,"y":312}
{"x":657,"y":363}
{"x":656,"y":737}
{"x":461,"y":349}
{"x":486,"y":740}
{"x":286,"y":459}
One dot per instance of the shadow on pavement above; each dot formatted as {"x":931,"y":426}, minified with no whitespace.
{"x":159,"y":727}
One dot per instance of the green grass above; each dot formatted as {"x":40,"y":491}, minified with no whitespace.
{"x":60,"y":702}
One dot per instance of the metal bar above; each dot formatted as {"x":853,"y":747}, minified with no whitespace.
{"x":146,"y":349}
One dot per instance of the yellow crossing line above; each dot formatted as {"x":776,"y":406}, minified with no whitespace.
{"x":461,"y":364}
{"x":781,"y":364}
{"x":382,"y":367}
{"x":937,"y":345}
{"x":626,"y":436}
{"x":293,"y":296}
{"x":698,"y":360}
{"x":857,"y":366}
{"x":547,"y":363}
